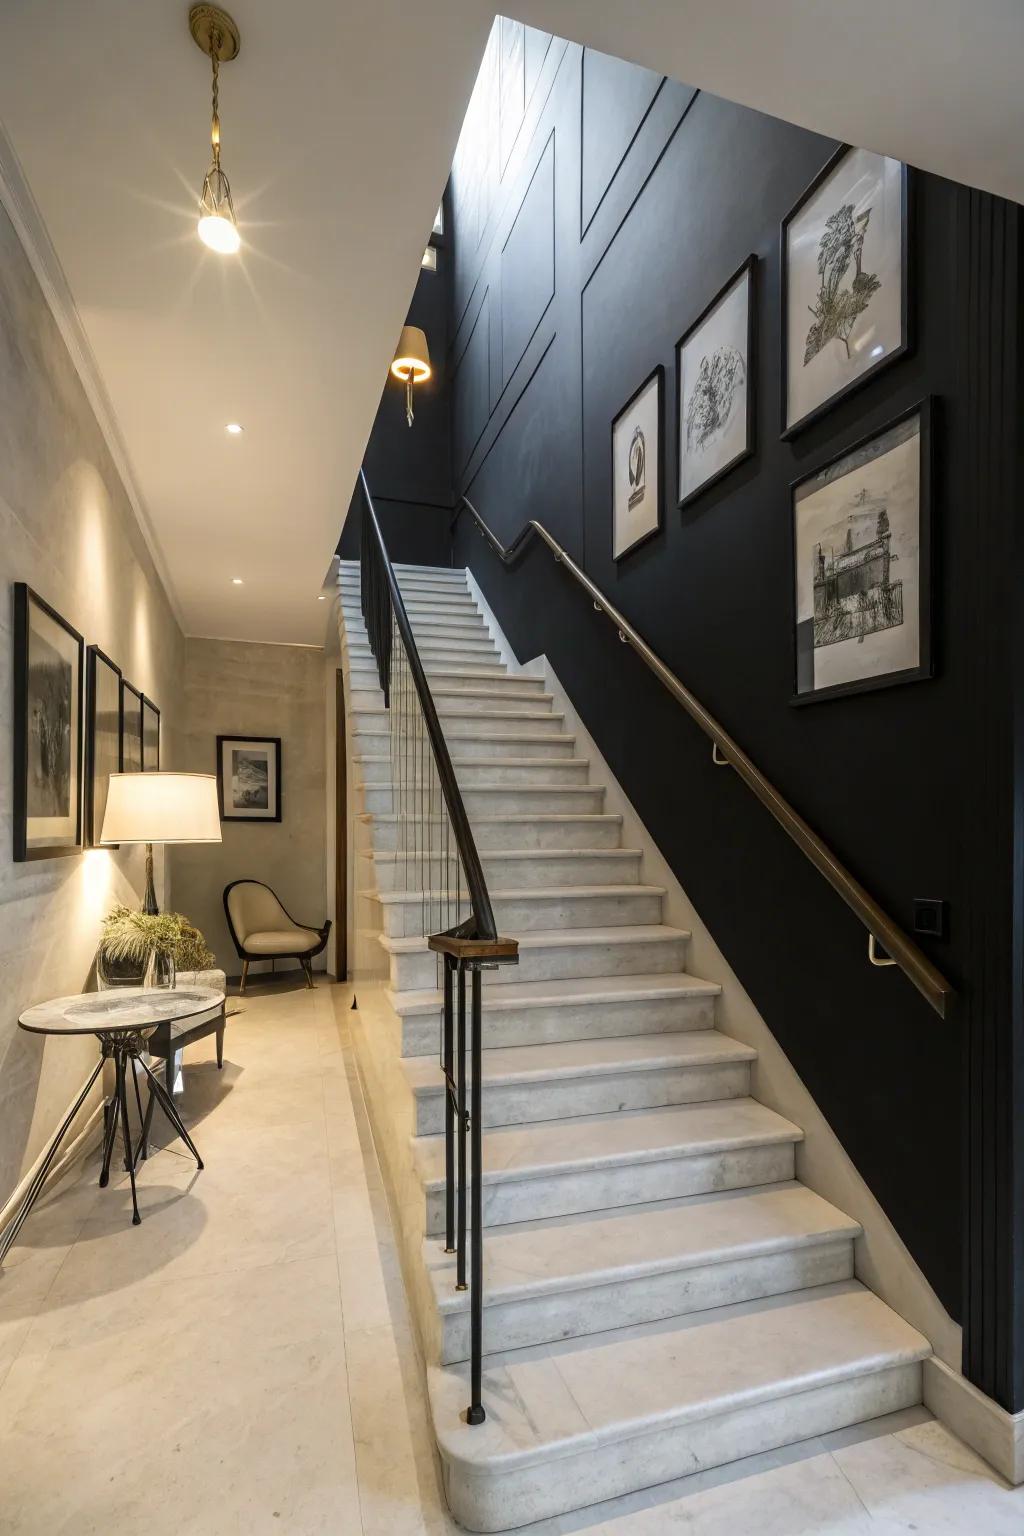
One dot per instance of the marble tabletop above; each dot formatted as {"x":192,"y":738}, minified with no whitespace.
{"x":93,"y":1013}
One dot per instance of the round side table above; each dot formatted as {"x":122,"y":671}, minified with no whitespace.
{"x":122,"y":1021}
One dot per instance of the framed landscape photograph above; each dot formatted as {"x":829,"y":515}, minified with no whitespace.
{"x":637,"y":466}
{"x":862,"y":564}
{"x":845,"y":286}
{"x":150,"y":735}
{"x":102,"y":737}
{"x":714,"y":374}
{"x":249,"y":778}
{"x":48,"y":689}
{"x":131,"y":728}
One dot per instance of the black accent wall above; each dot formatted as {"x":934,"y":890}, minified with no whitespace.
{"x":587,"y":236}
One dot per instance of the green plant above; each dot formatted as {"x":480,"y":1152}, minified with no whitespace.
{"x":129,"y":935}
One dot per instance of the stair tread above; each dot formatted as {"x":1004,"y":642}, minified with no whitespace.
{"x":576,"y":991}
{"x":547,"y":1401}
{"x":496,"y":762}
{"x":641,"y":933}
{"x":491,"y":855}
{"x":511,"y":817}
{"x":544,"y":892}
{"x":509,"y":1064}
{"x":478,"y":674}
{"x":512,"y":736}
{"x":516,"y":1152}
{"x":562,"y":1253}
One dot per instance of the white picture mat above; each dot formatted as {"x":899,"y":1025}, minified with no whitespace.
{"x":267,"y":750}
{"x":57,"y":831}
{"x":868,"y":181}
{"x":726,"y":326}
{"x":631,"y":524}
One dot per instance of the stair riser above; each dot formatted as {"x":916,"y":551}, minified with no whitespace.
{"x":538,"y":914}
{"x":425,"y":630}
{"x":566,"y":832}
{"x":564,"y":1098}
{"x":440,"y":676}
{"x":496,"y":723}
{"x":543,"y":748}
{"x":636,"y":1299}
{"x":446,"y":699}
{"x":505,"y":800}
{"x":448,"y":653}
{"x":598,"y":1189}
{"x":550,"y":1024}
{"x":568,"y":771}
{"x":526,"y":1492}
{"x":456,"y":605}
{"x":525,"y":873}
{"x":349,"y":587}
{"x":414,"y":972}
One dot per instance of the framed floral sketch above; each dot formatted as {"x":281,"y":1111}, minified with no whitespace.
{"x":48,"y":692}
{"x":862,"y":564}
{"x":102,"y":737}
{"x":249,"y":778}
{"x":715,"y":386}
{"x":131,"y":728}
{"x":845,"y":282}
{"x":637,"y":466}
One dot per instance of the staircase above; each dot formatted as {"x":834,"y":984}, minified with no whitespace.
{"x":661,"y":1296}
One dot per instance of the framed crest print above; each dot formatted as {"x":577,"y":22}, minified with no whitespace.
{"x":48,"y":690}
{"x":715,"y":386}
{"x":637,"y":466}
{"x":249,"y":778}
{"x":102,"y":738}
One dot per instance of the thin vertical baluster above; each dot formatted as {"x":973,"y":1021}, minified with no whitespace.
{"x":448,"y":1063}
{"x":460,"y":1064}
{"x":476,"y":1413}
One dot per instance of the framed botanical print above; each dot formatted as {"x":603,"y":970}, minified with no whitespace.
{"x":102,"y":737}
{"x":715,"y":386}
{"x":48,"y":688}
{"x":131,"y":728}
{"x":862,"y":564}
{"x":150,"y":735}
{"x":637,"y":466}
{"x":845,"y":285}
{"x":249,"y":778}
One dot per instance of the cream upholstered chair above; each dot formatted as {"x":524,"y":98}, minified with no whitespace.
{"x":263,"y":930}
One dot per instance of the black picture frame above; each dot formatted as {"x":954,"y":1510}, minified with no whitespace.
{"x":749,"y":266}
{"x":95,"y":661}
{"x":657,"y":373}
{"x":791,"y":429}
{"x":148,"y":709}
{"x":131,"y":710}
{"x":24,"y":599}
{"x":273,"y":813}
{"x":924,"y":410}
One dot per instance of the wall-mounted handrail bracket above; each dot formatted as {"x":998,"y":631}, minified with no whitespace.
{"x":717,"y":758}
{"x":874,"y":955}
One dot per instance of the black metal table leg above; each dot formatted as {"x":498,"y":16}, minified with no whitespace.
{"x":126,"y":1130}
{"x":168,"y":1107}
{"x":110,"y":1135}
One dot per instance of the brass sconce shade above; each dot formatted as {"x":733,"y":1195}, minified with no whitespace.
{"x":411,"y":363}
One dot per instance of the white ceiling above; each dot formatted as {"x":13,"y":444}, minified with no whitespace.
{"x":339,"y":123}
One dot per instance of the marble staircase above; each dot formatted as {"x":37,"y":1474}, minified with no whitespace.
{"x":661,"y":1294}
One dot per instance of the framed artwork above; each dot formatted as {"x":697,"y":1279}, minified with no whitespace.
{"x":102,"y":737}
{"x":48,"y":689}
{"x":131,"y":728}
{"x":845,"y":289}
{"x":862,"y":564}
{"x":715,"y":386}
{"x":150,"y":735}
{"x":637,"y":466}
{"x":249,"y":778}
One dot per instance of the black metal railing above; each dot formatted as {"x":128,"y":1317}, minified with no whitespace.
{"x":437,"y":857}
{"x":899,"y":949}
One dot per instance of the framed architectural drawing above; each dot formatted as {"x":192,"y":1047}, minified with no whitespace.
{"x":102,"y":737}
{"x":150,"y":735}
{"x":249,"y":778}
{"x":715,"y":386}
{"x":48,"y":687}
{"x":845,"y":287}
{"x":862,"y":564}
{"x":637,"y":466}
{"x":131,"y":728}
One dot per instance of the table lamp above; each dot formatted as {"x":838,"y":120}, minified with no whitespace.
{"x":160,"y":808}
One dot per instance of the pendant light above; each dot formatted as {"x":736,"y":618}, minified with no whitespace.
{"x":412,"y":363}
{"x":216,"y":34}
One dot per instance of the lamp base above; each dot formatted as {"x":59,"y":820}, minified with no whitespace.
{"x":149,"y":905}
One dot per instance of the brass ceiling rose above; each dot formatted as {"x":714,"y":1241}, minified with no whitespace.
{"x":212,"y":29}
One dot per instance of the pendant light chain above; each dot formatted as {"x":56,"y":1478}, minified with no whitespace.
{"x":215,"y":128}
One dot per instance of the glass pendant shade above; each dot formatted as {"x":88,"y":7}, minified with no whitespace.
{"x":217,"y":226}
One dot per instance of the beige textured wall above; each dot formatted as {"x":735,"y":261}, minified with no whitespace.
{"x":238,"y":688}
{"x":66,"y":528}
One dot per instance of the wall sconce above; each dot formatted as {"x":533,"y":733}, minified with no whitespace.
{"x":412,"y":363}
{"x":216,"y":34}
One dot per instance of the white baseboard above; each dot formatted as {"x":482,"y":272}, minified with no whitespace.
{"x":995,"y":1434}
{"x":89,"y":1136}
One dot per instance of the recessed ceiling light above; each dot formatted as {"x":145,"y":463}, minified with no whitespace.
{"x":321,"y":598}
{"x":236,"y":581}
{"x":234,"y":429}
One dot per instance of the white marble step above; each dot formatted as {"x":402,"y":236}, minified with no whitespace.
{"x":507,"y":799}
{"x":523,"y":832}
{"x":421,"y":594}
{"x":573,"y":1423}
{"x":468,"y":699}
{"x":428,"y":578}
{"x":403,"y":569}
{"x":570,"y":1276}
{"x":510,"y":869}
{"x":476,"y":770}
{"x":548,"y":909}
{"x":468,"y":742}
{"x":638,"y":950}
{"x":524,"y":1084}
{"x":450,"y":678}
{"x":486,"y":722}
{"x":601,"y":1162}
{"x":583,"y":1008}
{"x":427,"y":627}
{"x":445,"y":652}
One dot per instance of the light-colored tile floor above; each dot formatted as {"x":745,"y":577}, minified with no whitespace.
{"x":243,"y":1361}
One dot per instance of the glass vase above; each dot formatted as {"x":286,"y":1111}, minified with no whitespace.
{"x":160,"y":971}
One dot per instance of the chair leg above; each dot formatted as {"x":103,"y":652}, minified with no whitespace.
{"x":245,"y":972}
{"x":304,"y":962}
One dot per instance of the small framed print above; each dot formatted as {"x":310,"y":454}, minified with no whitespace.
{"x":102,"y":738}
{"x":862,"y":564}
{"x":715,"y":386}
{"x":131,"y":728}
{"x":249,"y":778}
{"x":48,"y":695}
{"x":637,"y":466}
{"x":845,"y":284}
{"x":150,"y":736}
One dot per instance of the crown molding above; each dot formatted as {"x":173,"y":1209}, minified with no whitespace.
{"x":30,"y":228}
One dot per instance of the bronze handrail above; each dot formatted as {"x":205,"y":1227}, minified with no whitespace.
{"x":881,"y":928}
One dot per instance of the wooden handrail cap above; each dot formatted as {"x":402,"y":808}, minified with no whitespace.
{"x":474,"y":949}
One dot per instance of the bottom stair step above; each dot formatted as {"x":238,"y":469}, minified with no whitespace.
{"x":574,"y":1423}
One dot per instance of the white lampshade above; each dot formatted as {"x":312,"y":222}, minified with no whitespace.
{"x":412,"y":358}
{"x":161,"y":808}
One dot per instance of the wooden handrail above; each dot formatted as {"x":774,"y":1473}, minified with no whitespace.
{"x":898,"y":945}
